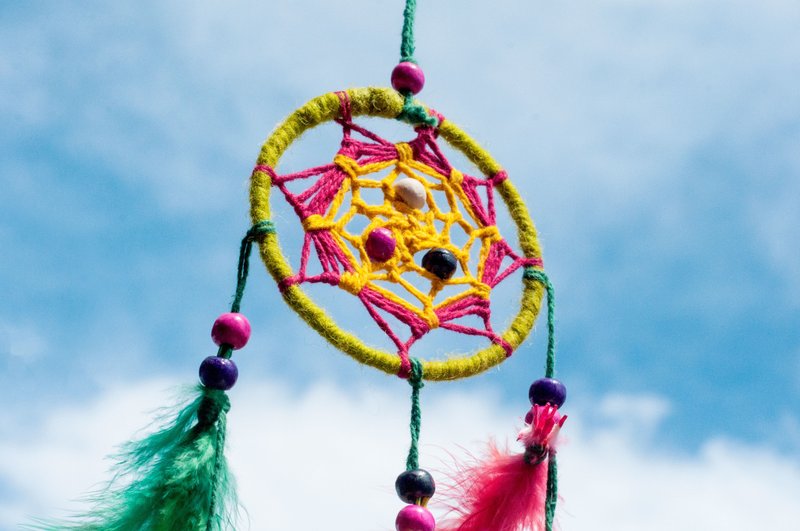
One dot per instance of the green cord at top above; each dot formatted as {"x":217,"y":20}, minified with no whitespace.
{"x":407,"y":78}
{"x":407,"y":43}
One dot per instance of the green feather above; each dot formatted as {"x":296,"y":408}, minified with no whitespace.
{"x":175,"y":479}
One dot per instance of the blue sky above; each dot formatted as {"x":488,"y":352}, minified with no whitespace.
{"x":656,"y":144}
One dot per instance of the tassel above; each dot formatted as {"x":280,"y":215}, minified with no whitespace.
{"x":175,"y":479}
{"x":508,"y":492}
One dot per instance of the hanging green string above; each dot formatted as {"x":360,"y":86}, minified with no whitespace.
{"x":412,"y":112}
{"x":552,"y":492}
{"x":415,"y":380}
{"x":551,"y":498}
{"x":407,"y":42}
{"x":540,"y":276}
{"x":256,"y":231}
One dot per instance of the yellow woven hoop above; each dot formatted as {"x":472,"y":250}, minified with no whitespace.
{"x":387,"y":103}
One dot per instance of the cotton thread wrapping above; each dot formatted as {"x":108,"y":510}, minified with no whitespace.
{"x":386,"y":103}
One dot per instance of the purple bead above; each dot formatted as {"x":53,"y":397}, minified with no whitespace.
{"x":408,"y":77}
{"x":440,"y":262}
{"x":231,"y":329}
{"x":415,"y":485}
{"x":380,"y":244}
{"x":414,"y":518}
{"x":548,"y":391}
{"x":218,"y":373}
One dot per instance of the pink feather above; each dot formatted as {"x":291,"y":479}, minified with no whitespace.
{"x":506,"y":492}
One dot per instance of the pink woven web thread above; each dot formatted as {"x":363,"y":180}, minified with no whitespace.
{"x":325,"y":182}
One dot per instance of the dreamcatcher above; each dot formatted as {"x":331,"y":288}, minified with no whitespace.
{"x":378,"y":224}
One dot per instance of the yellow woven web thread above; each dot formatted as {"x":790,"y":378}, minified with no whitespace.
{"x":386,"y":103}
{"x":414,"y":230}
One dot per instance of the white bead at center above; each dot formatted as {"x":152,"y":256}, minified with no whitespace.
{"x":410,"y":192}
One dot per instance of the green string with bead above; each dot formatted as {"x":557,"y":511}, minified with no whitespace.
{"x":257,"y":231}
{"x":177,"y":477}
{"x":407,"y":77}
{"x":415,"y":486}
{"x":551,"y":499}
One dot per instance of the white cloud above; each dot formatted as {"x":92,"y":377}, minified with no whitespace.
{"x":632,"y":87}
{"x":327,"y":459}
{"x":598,"y":107}
{"x":592,"y":107}
{"x":639,"y":418}
{"x":613,"y":480}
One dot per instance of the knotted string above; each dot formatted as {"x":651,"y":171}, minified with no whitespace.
{"x":407,"y":41}
{"x":416,"y":114}
{"x":541,"y":277}
{"x":416,"y":383}
{"x":257,"y":231}
{"x":412,"y":112}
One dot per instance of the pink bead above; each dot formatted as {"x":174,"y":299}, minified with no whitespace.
{"x":231,"y":329}
{"x":414,"y":518}
{"x":380,"y":244}
{"x":408,"y":77}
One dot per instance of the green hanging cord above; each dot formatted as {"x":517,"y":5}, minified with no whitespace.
{"x":210,"y":410}
{"x":552,"y":492}
{"x":412,"y":112}
{"x":258,"y":230}
{"x":415,"y":380}
{"x":540,"y":276}
{"x":551,"y":499}
{"x":407,"y":42}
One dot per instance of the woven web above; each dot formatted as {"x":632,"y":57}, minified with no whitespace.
{"x":338,"y":209}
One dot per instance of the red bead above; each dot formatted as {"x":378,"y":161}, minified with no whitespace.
{"x":380,"y":244}
{"x":414,"y":518}
{"x":231,"y":329}
{"x":408,"y":77}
